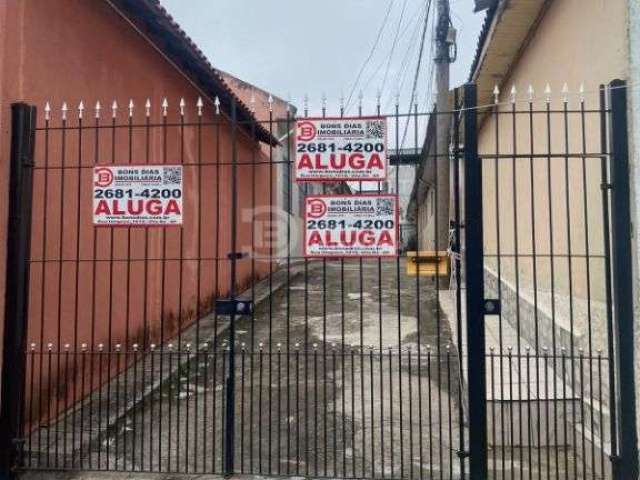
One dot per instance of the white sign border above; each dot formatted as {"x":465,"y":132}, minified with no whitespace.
{"x":305,"y":254}
{"x":343,"y":179}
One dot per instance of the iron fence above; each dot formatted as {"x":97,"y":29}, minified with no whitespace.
{"x":134,"y":356}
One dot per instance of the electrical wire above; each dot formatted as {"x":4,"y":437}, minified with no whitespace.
{"x":394,"y":44}
{"x":412,"y":47}
{"x":417,"y":72}
{"x":412,"y":28}
{"x":371,"y":53}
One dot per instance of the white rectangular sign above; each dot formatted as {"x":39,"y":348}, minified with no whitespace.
{"x":137,"y":195}
{"x":341,"y":149}
{"x":351,"y":226}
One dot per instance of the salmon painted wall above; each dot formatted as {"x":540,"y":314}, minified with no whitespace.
{"x":144,"y":284}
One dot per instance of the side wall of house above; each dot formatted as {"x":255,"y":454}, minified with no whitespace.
{"x":571,"y":45}
{"x":72,"y":50}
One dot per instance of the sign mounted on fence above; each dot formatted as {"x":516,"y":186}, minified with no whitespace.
{"x":137,"y":195}
{"x":341,"y":149}
{"x":351,"y":226}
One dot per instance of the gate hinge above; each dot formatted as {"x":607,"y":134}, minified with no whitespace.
{"x":491,"y":306}
{"x":606,"y":186}
{"x":238,"y":307}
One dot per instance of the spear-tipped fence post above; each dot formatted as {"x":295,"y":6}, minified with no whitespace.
{"x":199,"y":106}
{"x":547,"y":93}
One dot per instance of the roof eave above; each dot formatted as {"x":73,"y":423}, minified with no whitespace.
{"x":153,"y":22}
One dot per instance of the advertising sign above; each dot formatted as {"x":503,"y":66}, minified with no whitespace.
{"x":341,"y":149}
{"x":351,"y":226}
{"x":137,"y":195}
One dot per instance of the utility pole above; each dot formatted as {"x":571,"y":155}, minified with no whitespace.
{"x":443,"y":61}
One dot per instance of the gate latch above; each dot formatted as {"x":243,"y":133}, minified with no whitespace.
{"x":462,"y":454}
{"x":238,"y":307}
{"x":491,"y":306}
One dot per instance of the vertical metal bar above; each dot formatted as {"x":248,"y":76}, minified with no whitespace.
{"x":398,"y":300}
{"x":242,"y":384}
{"x":627,"y":464}
{"x":498,"y":252}
{"x":534,"y":259}
{"x":587,"y":249}
{"x":145,"y":307}
{"x":230,"y":399}
{"x":60,"y":252}
{"x":29,"y":419}
{"x":279,"y":404}
{"x":606,"y":233}
{"x":23,"y":120}
{"x":549,"y":129}
{"x":458,"y":285}
{"x":391,"y":440}
{"x":43,"y":272}
{"x":516,"y":258}
{"x":429,"y":410}
{"x":297,"y":383}
{"x":94,"y":244}
{"x":601,"y":417}
{"x":76,"y":267}
{"x":198,"y":302}
{"x":260,"y":354}
{"x":570,"y":274}
{"x":475,"y":290}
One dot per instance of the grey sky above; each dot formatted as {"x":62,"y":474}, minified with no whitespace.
{"x":295,"y":47}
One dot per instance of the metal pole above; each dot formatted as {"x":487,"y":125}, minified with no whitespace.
{"x":23,"y":119}
{"x":443,"y":61}
{"x":233,"y":255}
{"x":475,"y":290}
{"x":626,"y":465}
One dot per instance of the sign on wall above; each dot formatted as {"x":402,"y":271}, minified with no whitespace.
{"x":341,"y":149}
{"x":137,"y":195}
{"x":351,"y":226}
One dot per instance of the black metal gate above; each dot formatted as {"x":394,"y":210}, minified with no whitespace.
{"x":548,"y":299}
{"x":217,"y":347}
